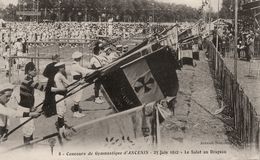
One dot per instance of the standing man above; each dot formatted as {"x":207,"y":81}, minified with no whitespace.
{"x":27,"y":99}
{"x":61,"y":83}
{"x":96,"y":62}
{"x":19,"y":52}
{"x":78,"y":72}
{"x":6,"y":91}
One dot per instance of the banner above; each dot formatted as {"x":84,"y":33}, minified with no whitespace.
{"x":171,"y":38}
{"x":189,"y":50}
{"x":135,"y":128}
{"x":143,"y":80}
{"x":186,"y":56}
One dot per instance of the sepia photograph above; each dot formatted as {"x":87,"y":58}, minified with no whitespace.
{"x":129,"y":79}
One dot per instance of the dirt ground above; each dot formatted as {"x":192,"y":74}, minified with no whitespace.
{"x":194,"y":125}
{"x":193,"y":128}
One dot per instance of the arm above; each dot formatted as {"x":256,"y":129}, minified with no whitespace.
{"x":38,"y":86}
{"x":54,"y":89}
{"x":59,"y":81}
{"x":84,"y":71}
{"x":64,"y":80}
{"x":16,"y":113}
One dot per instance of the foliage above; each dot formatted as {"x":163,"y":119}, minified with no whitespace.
{"x":120,"y":10}
{"x":226,"y":12}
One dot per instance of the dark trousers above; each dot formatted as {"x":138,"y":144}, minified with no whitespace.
{"x":97,"y":88}
{"x":3,"y":130}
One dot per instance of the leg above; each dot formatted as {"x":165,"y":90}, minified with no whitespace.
{"x":60,"y":124}
{"x":28,"y":128}
{"x":76,"y":108}
{"x":96,"y":90}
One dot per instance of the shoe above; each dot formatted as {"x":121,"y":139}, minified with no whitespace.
{"x":99,"y":100}
{"x":78,"y":115}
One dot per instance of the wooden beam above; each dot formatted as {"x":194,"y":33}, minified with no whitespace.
{"x":30,"y":57}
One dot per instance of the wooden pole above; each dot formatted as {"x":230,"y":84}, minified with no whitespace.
{"x":235,"y":46}
{"x":10,"y":60}
{"x":158,"y":133}
{"x":38,"y":65}
{"x":209,"y":16}
{"x":216,"y":63}
{"x":31,"y":57}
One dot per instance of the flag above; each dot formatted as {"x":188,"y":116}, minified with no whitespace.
{"x":171,"y":38}
{"x":142,"y":81}
{"x":148,"y":78}
{"x":189,"y":50}
{"x":186,"y":54}
{"x":195,"y":30}
{"x":134,"y":128}
{"x":185,"y":35}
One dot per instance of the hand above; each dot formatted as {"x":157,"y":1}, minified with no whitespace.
{"x":62,"y":92}
{"x":3,"y":139}
{"x":82,"y":81}
{"x":33,"y":109}
{"x":34,"y":114}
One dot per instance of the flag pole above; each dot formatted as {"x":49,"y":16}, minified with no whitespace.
{"x":158,"y":133}
{"x":217,"y":46}
{"x":209,"y":16}
{"x":235,"y":44}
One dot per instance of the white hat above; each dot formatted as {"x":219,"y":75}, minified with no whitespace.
{"x":76,"y":55}
{"x":59,"y":64}
{"x":119,"y":46}
{"x":6,"y":86}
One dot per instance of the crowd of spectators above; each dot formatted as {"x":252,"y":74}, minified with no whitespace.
{"x":44,"y":32}
{"x":246,"y":47}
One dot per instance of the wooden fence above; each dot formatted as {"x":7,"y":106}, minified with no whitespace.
{"x":244,"y":118}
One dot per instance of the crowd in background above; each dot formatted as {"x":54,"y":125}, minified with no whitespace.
{"x":43,"y":32}
{"x":245,"y":43}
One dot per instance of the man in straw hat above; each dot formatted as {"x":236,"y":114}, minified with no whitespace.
{"x":78,"y":72}
{"x":6,"y":91}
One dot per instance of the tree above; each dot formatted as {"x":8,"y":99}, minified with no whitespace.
{"x":120,"y":10}
{"x":226,"y":11}
{"x":9,"y":13}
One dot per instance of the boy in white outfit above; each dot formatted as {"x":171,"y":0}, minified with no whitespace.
{"x":78,"y":72}
{"x":61,"y":82}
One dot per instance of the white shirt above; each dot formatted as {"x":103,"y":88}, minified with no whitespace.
{"x":61,"y":81}
{"x":112,"y":56}
{"x":77,"y":69}
{"x":18,"y":46}
{"x":98,"y":61}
